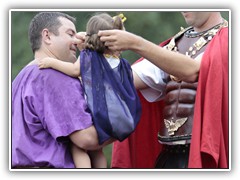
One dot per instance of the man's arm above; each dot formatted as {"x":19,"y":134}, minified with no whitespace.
{"x":87,"y":139}
{"x":138,"y":82}
{"x":181,"y":66}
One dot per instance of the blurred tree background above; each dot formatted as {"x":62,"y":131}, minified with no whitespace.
{"x":154,"y":26}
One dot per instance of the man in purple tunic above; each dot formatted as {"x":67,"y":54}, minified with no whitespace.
{"x":49,"y":111}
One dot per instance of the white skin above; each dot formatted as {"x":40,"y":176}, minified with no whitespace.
{"x":64,"y":47}
{"x":61,"y":46}
{"x":71,"y":69}
{"x":179,"y":65}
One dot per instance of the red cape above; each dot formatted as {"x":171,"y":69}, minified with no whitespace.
{"x":210,"y":134}
{"x":209,"y":146}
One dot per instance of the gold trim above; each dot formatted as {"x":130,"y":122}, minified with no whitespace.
{"x":174,"y":126}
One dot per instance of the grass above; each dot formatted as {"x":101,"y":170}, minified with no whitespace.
{"x":108,"y":153}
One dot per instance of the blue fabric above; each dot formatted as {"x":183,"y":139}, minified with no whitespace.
{"x":111,"y":96}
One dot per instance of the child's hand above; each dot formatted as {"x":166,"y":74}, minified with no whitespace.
{"x":80,"y":39}
{"x":45,"y":63}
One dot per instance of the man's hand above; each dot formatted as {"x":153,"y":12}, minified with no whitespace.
{"x":118,"y":40}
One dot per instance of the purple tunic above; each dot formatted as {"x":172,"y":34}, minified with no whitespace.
{"x":47,"y":106}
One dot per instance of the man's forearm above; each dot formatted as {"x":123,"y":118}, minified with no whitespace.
{"x":173,"y":63}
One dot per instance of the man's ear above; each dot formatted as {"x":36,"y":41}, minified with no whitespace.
{"x":46,"y":36}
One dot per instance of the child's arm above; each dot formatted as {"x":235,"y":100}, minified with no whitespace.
{"x":71,"y":69}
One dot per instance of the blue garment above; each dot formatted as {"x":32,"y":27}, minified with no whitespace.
{"x":111,"y":96}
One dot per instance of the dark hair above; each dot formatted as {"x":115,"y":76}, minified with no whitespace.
{"x":100,"y":22}
{"x":49,"y":20}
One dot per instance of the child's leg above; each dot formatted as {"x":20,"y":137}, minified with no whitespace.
{"x":98,"y":159}
{"x":81,"y":158}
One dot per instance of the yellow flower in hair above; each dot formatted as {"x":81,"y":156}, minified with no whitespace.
{"x":122,"y":17}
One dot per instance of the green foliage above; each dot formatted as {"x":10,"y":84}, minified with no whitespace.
{"x":21,"y":52}
{"x":107,"y":150}
{"x":155,"y":26}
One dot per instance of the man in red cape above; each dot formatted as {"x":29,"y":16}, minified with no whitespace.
{"x":209,"y":143}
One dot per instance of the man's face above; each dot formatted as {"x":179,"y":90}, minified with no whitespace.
{"x":63,"y":46}
{"x":195,"y":19}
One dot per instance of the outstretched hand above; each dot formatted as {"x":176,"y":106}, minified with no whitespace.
{"x":118,"y":40}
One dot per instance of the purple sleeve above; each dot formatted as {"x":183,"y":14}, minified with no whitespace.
{"x":61,"y":104}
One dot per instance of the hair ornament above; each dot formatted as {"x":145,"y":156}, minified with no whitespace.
{"x":121,"y":16}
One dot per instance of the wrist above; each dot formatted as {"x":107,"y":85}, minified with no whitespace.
{"x":137,"y":44}
{"x":51,"y":61}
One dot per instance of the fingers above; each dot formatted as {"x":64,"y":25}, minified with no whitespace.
{"x":80,"y":39}
{"x":107,"y":35}
{"x":40,"y":64}
{"x":111,"y":45}
{"x":81,"y":35}
{"x":43,"y":63}
{"x":109,"y":38}
{"x":106,"y":32}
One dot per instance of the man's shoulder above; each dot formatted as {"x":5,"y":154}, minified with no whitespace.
{"x":57,"y":76}
{"x":54,"y":73}
{"x":48,"y":74}
{"x":223,"y":32}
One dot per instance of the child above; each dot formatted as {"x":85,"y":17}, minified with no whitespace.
{"x":108,"y":84}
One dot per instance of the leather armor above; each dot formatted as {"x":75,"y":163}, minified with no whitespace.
{"x":179,"y":100}
{"x":178,"y":111}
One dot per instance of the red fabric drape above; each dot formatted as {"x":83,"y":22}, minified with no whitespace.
{"x":210,"y":143}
